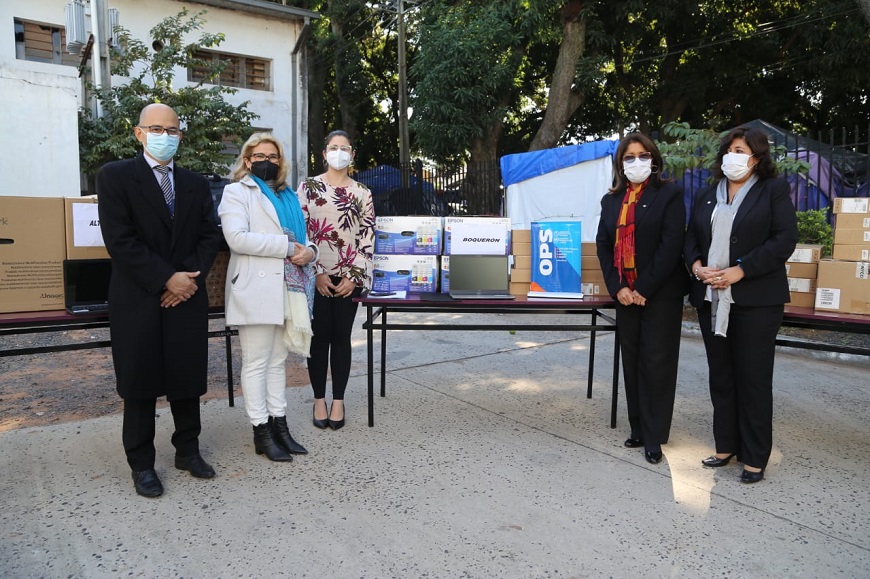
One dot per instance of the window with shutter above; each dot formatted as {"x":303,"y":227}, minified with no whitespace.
{"x":240,"y":71}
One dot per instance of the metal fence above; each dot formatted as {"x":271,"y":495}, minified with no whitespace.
{"x":839,"y":166}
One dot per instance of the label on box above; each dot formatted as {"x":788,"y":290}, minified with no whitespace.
{"x":862,"y":270}
{"x":806,"y":254}
{"x":800,"y":284}
{"x":851,"y":205}
{"x":480,"y":235}
{"x":828,"y":298}
{"x":86,"y":225}
{"x":592,"y":289}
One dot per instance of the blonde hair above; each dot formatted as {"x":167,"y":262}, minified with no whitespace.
{"x":239,"y":168}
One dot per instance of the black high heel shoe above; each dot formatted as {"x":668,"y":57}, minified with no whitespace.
{"x":336,"y":424}
{"x":320,"y":422}
{"x":715,"y":461}
{"x":750,"y":477}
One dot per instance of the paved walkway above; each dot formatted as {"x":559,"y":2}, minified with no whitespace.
{"x":487,"y":460}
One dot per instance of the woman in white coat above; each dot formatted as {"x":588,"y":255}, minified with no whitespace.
{"x":270,"y":286}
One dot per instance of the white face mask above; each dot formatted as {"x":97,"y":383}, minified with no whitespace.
{"x":639,"y":171}
{"x":735,"y":166}
{"x":338,"y":160}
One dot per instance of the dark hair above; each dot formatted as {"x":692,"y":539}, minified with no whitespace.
{"x":756,"y":140}
{"x":336,"y":133}
{"x":619,"y":180}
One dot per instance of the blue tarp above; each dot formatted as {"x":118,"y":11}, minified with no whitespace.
{"x":522,"y":166}
{"x":385,"y":178}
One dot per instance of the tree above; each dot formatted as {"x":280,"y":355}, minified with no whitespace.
{"x":206,"y":117}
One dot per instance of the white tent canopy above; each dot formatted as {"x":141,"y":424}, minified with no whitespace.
{"x":565,"y":183}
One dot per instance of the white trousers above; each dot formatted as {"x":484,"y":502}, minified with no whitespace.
{"x":264,"y":375}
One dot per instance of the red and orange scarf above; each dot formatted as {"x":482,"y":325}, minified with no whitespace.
{"x":623,"y":249}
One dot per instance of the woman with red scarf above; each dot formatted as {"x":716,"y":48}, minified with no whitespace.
{"x":640,"y":246}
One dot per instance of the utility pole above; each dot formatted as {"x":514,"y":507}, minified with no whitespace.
{"x":399,"y":7}
{"x":404,"y":146}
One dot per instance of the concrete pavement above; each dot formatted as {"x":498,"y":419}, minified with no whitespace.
{"x":486,"y":460}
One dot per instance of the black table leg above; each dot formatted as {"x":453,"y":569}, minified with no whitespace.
{"x":371,"y":362}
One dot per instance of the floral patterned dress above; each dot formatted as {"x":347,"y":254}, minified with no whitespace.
{"x":341,"y":221}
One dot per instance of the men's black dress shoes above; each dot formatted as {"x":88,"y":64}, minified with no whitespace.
{"x":715,"y":461}
{"x":751,"y":477}
{"x":195,"y":465}
{"x":653,"y":456}
{"x":633,"y":442}
{"x":147,"y":483}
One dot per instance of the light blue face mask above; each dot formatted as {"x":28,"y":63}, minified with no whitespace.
{"x":161,"y":147}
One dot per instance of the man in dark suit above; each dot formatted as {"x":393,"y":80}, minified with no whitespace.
{"x":158,"y":223}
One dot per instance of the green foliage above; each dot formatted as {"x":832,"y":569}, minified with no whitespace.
{"x":205,"y":115}
{"x":697,"y":148}
{"x":813,"y":227}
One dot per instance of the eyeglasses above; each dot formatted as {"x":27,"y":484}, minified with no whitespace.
{"x":158,"y":130}
{"x":629,"y":159}
{"x":343,"y":148}
{"x":274,"y":157}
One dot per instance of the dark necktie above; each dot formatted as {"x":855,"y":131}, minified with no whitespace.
{"x":166,"y":186}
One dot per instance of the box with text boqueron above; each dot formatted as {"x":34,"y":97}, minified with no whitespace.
{"x":32,"y":250}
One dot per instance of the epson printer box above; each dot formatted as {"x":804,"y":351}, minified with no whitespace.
{"x":479,"y":235}
{"x":445,"y":274}
{"x":402,"y":235}
{"x":409,"y":273}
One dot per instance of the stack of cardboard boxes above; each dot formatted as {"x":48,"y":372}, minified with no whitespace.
{"x":802,"y":269}
{"x":591,"y":277}
{"x":844,"y":281}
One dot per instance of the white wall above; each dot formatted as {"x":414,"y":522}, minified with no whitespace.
{"x":39,"y":156}
{"x":43,"y":99}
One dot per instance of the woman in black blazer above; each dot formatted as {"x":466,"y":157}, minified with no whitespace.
{"x":640,"y":243}
{"x":742,"y":230}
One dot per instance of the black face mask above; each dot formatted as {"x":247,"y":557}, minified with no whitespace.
{"x":265,"y":170}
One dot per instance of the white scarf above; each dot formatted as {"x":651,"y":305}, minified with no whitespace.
{"x":719,"y":254}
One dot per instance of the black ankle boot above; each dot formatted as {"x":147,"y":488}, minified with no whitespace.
{"x":281,"y":435}
{"x":265,"y":444}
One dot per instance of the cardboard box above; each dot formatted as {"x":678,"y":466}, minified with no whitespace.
{"x":481,"y":235}
{"x":806,"y":253}
{"x":517,"y":288}
{"x":32,"y":250}
{"x":801,"y":285}
{"x":843,"y":286}
{"x":807,"y":270}
{"x":852,"y":221}
{"x":852,"y":252}
{"x":521,"y":275}
{"x":84,"y":239}
{"x":408,"y":273}
{"x":521,"y":235}
{"x":522,"y":261}
{"x":592,"y":275}
{"x":589,"y":248}
{"x":589,"y":262}
{"x":403,"y":235}
{"x":802,"y":300}
{"x":852,"y":236}
{"x":521,"y":248}
{"x":852,"y":205}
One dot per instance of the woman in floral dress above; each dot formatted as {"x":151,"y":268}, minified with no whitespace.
{"x":341,"y":221}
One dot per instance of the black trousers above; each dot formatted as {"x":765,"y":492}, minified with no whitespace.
{"x":649,"y":339}
{"x":332,"y":325}
{"x":139,"y":428}
{"x":741,"y":380}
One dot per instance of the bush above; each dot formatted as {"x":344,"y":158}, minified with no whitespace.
{"x":813,"y":227}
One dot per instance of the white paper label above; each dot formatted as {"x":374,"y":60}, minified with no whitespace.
{"x":854,"y":205}
{"x":862,"y":270}
{"x":800,"y":284}
{"x":828,"y":298}
{"x":802,"y":255}
{"x":86,"y":225}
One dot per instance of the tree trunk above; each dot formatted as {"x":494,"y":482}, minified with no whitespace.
{"x":345,"y":102}
{"x":482,"y":185}
{"x":316,"y":131}
{"x":564,"y":98}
